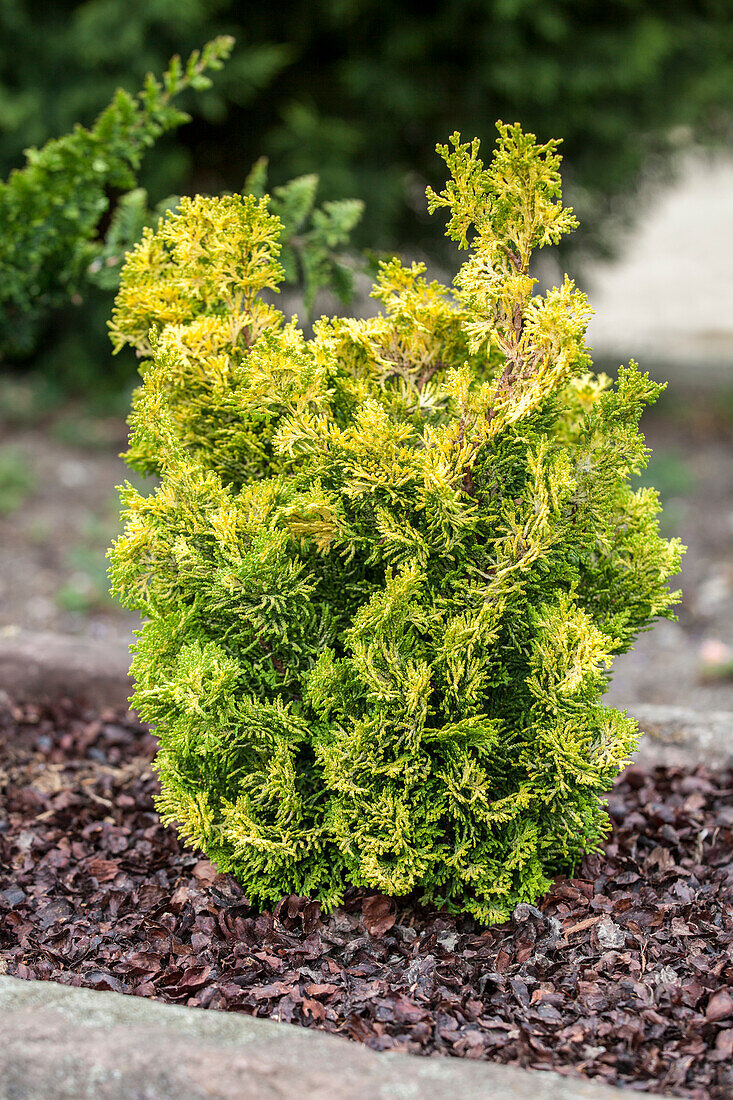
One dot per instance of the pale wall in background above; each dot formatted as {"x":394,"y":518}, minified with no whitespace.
{"x":668,"y":298}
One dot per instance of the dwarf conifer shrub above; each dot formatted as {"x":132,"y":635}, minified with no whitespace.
{"x":386,"y":569}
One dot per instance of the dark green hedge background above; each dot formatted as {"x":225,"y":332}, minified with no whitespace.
{"x":360,"y":91}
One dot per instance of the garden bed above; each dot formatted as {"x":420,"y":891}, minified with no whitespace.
{"x":624,"y":974}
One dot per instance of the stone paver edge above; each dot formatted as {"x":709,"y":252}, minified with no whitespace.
{"x":60,"y":1041}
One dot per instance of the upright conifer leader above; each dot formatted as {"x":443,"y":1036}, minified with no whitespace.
{"x":386,"y":568}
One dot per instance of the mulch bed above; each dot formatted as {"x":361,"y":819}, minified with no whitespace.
{"x":624,"y":973}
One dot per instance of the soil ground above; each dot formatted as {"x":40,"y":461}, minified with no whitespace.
{"x":623,"y":973}
{"x":58,"y":515}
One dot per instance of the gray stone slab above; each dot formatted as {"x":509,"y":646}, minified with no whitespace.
{"x":37,"y":666}
{"x":676,"y":735}
{"x":61,"y":1043}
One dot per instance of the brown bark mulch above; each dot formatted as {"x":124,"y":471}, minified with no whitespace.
{"x":624,"y":973}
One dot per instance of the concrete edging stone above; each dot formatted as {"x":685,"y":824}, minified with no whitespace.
{"x":35,"y":666}
{"x":64,"y":1043}
{"x":679,"y":735}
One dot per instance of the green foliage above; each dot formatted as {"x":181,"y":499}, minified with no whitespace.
{"x":131,"y":216}
{"x":60,"y":62}
{"x":356,"y":92}
{"x":50,"y":210}
{"x":386,"y":568}
{"x":51,"y":252}
{"x":17,"y":479}
{"x":313,"y":239}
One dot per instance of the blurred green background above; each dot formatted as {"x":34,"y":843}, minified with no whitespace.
{"x":359,"y":91}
